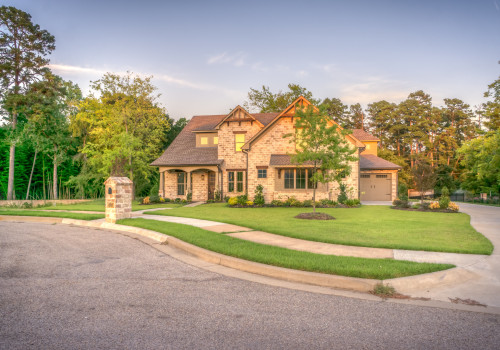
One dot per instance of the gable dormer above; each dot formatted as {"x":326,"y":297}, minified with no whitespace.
{"x":370,"y":141}
{"x":238,"y":115}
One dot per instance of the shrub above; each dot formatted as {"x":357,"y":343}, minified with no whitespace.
{"x":184,"y":201}
{"x":177,"y":200}
{"x":324,"y":202}
{"x":416,"y":206}
{"x":453,"y":206}
{"x":189,"y":196}
{"x":154,"y":199}
{"x":291,"y":202}
{"x":259,"y":197}
{"x":352,"y":202}
{"x":399,"y":203}
{"x":343,"y":193}
{"x":226,"y":199}
{"x":27,"y":205}
{"x":425,"y":205}
{"x":403,"y":191}
{"x":232,"y":201}
{"x":276,"y":203}
{"x":308,"y":203}
{"x":297,"y":204}
{"x":434,"y":205}
{"x":217,"y":195}
{"x":444,"y":201}
{"x":155,"y":189}
{"x":242,"y":199}
{"x":145,"y":200}
{"x":445,"y":192}
{"x":249,"y":203}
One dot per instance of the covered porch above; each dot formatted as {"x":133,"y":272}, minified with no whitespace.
{"x":197,"y":183}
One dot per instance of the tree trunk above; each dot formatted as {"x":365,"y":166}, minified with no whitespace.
{"x":43,"y":174}
{"x":10,"y":185}
{"x":54,"y":177}
{"x":31,"y":175}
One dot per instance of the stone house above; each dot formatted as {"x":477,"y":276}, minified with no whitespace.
{"x":229,"y":155}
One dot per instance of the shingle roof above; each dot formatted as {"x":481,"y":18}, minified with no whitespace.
{"x":284,"y":160}
{"x":370,"y":161}
{"x":183,"y":150}
{"x":362,"y":135}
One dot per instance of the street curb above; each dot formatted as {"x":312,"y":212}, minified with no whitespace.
{"x":319,"y":279}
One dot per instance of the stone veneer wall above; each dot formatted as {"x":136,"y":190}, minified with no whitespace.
{"x":200,"y":182}
{"x":119,"y":201}
{"x":272,"y":142}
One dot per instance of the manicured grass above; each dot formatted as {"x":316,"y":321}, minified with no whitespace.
{"x":99,"y":205}
{"x":24,"y":212}
{"x":330,"y":264}
{"x":368,"y":226}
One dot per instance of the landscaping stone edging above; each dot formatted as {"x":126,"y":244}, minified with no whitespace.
{"x":333,"y":281}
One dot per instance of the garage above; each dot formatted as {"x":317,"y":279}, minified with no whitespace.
{"x":375,"y":187}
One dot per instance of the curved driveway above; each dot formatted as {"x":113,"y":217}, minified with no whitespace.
{"x":64,"y":287}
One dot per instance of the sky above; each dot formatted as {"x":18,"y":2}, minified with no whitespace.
{"x":205,"y":56}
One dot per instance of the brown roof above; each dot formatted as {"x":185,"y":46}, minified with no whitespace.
{"x":362,"y":135}
{"x":284,"y":160}
{"x":183,"y":150}
{"x":370,"y":161}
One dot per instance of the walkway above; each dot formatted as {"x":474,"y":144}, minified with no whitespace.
{"x":248,"y":234}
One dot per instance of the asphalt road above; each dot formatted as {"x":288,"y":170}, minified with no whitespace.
{"x":65,"y":287}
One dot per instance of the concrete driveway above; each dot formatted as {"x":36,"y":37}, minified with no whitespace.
{"x":486,"y":287}
{"x":66,"y":287}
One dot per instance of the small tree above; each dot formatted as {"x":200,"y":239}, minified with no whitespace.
{"x":321,"y":144}
{"x":423,"y":176}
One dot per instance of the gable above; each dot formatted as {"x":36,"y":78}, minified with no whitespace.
{"x":239,"y":114}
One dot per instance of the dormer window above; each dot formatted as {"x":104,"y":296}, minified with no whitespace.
{"x":207,"y":139}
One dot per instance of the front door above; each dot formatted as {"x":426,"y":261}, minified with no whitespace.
{"x":211,"y":185}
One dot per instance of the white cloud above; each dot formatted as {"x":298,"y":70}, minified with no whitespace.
{"x":373,"y":89}
{"x":237,"y":59}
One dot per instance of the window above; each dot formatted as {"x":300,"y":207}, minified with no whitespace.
{"x":181,"y":183}
{"x":204,"y":140}
{"x":261,"y":173}
{"x":239,"y":181}
{"x":365,"y":176}
{"x":289,"y":175}
{"x":381,"y":176}
{"x":298,"y":179}
{"x":216,"y":140}
{"x":239,"y":140}
{"x":310,"y":183}
{"x":230,"y":181}
{"x":301,"y":179}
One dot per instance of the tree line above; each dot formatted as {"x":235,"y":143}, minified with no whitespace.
{"x":460,"y":145}
{"x":55,"y":143}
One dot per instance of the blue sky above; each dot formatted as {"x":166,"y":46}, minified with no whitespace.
{"x":206,"y":55}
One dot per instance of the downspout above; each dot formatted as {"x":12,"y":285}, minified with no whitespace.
{"x":221,"y":182}
{"x":359,"y":174}
{"x":246,"y":173}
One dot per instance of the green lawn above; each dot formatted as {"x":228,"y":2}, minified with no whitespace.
{"x":368,"y":226}
{"x":331,"y":264}
{"x":98,"y":205}
{"x":25,"y":212}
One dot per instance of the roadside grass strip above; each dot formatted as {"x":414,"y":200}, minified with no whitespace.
{"x":282,"y":257}
{"x":99,"y":205}
{"x":367,"y":226}
{"x":79,"y":216}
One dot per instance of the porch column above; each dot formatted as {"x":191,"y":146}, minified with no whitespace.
{"x":188,"y":190}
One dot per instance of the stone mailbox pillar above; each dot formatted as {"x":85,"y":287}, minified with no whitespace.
{"x":118,"y":198}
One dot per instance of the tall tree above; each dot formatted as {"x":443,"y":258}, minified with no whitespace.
{"x":322,"y":143}
{"x":49,"y":102}
{"x":123,"y":126}
{"x":491,"y":109}
{"x":424,"y":176}
{"x":381,"y":117}
{"x":265,"y":101}
{"x":337,"y":110}
{"x":23,"y":47}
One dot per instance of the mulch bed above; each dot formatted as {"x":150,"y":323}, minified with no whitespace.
{"x":426,"y":210}
{"x":315,"y":216}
